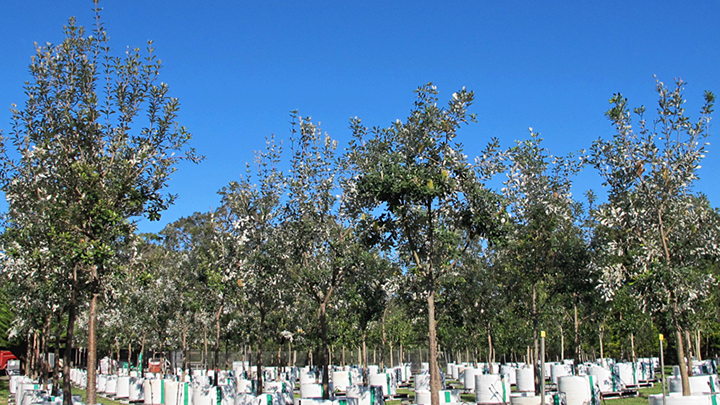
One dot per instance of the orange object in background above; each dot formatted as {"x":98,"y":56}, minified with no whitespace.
{"x":5,"y":355}
{"x":154,"y":366}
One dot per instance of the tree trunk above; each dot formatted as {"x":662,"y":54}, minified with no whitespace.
{"x":184,"y":347}
{"x":92,"y":350}
{"x":56,"y":366}
{"x":689,"y":352}
{"x":536,"y":341}
{"x":432,"y":341}
{"x":67,"y":359}
{"x":366,"y":381}
{"x":324,"y":349}
{"x":632,"y":346}
{"x":216,"y":361}
{"x":576,"y":338}
{"x":698,"y":347}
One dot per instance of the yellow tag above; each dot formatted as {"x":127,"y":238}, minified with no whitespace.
{"x":542,"y":333}
{"x":662,"y":337}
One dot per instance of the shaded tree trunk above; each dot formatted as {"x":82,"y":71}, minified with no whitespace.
{"x":67,"y":359}
{"x":91,"y":397}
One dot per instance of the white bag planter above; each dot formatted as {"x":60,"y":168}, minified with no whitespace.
{"x":445,"y":396}
{"x":699,"y":384}
{"x":626,"y":372}
{"x":469,"y":380}
{"x":205,"y":395}
{"x":525,"y":379}
{"x":136,"y":393}
{"x":365,"y":395}
{"x":177,"y":393}
{"x":373,"y":369}
{"x":603,"y":379}
{"x":153,"y":390}
{"x":557,"y":371}
{"x":529,"y":400}
{"x":111,"y":385}
{"x":123,"y":387}
{"x":245,"y":399}
{"x":100,"y":383}
{"x":492,"y":389}
{"x":577,"y":390}
{"x":341,"y":380}
{"x":509,"y":371}
{"x":422,"y":382}
{"x":386,"y":382}
{"x":677,"y":399}
{"x":311,"y":391}
{"x":243,"y":386}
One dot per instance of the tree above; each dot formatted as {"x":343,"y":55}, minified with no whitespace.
{"x":416,"y":187}
{"x":543,"y":233}
{"x":254,"y":214}
{"x":657,"y":233}
{"x":84,"y":167}
{"x":320,"y":239}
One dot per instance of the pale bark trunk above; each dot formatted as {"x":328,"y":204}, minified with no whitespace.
{"x":92,"y":350}
{"x":432,"y":360}
{"x":67,"y":387}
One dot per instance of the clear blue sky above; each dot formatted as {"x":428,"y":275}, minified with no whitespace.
{"x":239,"y":67}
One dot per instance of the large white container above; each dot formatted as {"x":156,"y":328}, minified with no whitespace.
{"x":422,"y":382}
{"x":310,"y":391}
{"x":111,"y":385}
{"x":365,"y":395}
{"x":204,"y":395}
{"x":136,"y":393}
{"x":100,"y":382}
{"x":469,"y":380}
{"x":243,"y":386}
{"x":445,"y":396}
{"x":627,"y":373}
{"x":341,"y":380}
{"x":675,"y":398}
{"x":386,"y":382}
{"x":307,"y":378}
{"x":557,"y":371}
{"x":699,"y":384}
{"x":153,"y":392}
{"x":373,"y":369}
{"x":525,"y":379}
{"x":576,"y":389}
{"x":178,"y":393}
{"x":603,"y":379}
{"x":245,"y":399}
{"x":492,"y":389}
{"x":123,"y":387}
{"x":529,"y":400}
{"x":510,"y":372}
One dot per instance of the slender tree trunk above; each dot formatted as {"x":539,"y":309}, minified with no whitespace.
{"x":56,"y":366}
{"x":185,"y":348}
{"x":562,"y":344}
{"x":601,"y":334}
{"x":260,"y":338}
{"x":45,"y":349}
{"x":433,"y":355}
{"x":366,"y":381}
{"x":67,"y":359}
{"x":491,"y":352}
{"x":698,"y":346}
{"x":632,"y":347}
{"x":324,"y":349}
{"x":576,"y":338}
{"x":689,"y":352}
{"x":536,"y":341}
{"x":216,"y":361}
{"x":92,"y":350}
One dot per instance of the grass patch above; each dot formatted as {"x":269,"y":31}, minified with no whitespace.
{"x":4,"y":389}
{"x":100,"y":400}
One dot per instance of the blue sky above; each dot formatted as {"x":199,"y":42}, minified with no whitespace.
{"x":240,"y":67}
